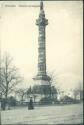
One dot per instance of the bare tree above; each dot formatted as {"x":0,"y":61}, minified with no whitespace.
{"x":21,"y":93}
{"x":77,"y":92}
{"x":9,"y":76}
{"x":53,"y":82}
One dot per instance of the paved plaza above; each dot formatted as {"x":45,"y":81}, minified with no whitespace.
{"x":66,"y":114}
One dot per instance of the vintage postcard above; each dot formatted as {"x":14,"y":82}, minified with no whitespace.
{"x":41,"y":62}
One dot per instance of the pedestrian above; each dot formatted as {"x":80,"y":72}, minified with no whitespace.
{"x":3,"y":104}
{"x":30,"y":104}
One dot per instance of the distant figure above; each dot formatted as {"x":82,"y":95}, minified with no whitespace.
{"x":30,"y":105}
{"x":3,"y":104}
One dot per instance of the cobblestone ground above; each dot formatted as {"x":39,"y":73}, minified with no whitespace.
{"x":67,"y":114}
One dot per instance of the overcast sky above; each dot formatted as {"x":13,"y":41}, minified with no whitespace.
{"x":64,"y":39}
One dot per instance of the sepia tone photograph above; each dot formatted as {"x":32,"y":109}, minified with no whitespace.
{"x":41,"y":62}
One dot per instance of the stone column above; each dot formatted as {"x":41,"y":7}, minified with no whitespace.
{"x":42,"y":22}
